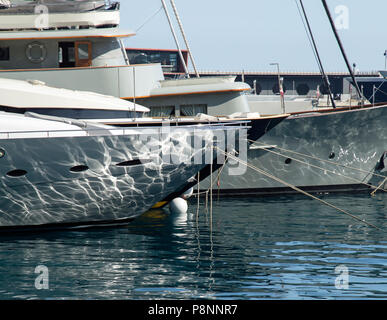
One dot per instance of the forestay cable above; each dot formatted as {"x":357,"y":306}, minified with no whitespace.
{"x":148,"y":19}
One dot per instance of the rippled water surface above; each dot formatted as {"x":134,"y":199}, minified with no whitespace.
{"x":263,"y":248}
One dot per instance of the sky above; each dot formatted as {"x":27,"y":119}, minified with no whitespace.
{"x":236,"y":35}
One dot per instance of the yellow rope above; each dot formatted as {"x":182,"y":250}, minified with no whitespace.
{"x":198,"y":195}
{"x":373,"y":192}
{"x":220,"y":170}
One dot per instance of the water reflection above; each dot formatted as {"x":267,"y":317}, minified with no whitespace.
{"x":279,"y":247}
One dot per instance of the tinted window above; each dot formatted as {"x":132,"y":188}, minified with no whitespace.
{"x":4,"y":54}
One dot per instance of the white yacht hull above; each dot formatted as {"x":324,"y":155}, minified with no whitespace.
{"x":50,"y":193}
{"x":328,"y":152}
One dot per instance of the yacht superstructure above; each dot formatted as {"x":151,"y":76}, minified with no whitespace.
{"x":91,"y":57}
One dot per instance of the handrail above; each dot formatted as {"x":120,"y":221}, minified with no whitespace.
{"x":78,"y":68}
{"x":122,"y":131}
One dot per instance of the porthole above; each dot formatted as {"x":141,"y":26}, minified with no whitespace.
{"x":288,"y":161}
{"x":16,"y":173}
{"x":36,"y":52}
{"x":332,"y":155}
{"x":134,"y":162}
{"x":2,"y":153}
{"x":80,"y":168}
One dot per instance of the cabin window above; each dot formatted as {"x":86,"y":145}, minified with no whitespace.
{"x":162,"y":111}
{"x":4,"y":53}
{"x":66,"y":55}
{"x":191,"y":110}
{"x":83,"y":55}
{"x":173,"y":61}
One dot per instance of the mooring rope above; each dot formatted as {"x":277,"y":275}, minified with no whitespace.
{"x":379,"y":186}
{"x":220,"y":170}
{"x":211,"y":167}
{"x":198,"y":195}
{"x":322,"y":160}
{"x":326,"y":170}
{"x":298,"y":189}
{"x":209,"y":190}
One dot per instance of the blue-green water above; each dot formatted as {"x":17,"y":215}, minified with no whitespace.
{"x":263,"y":248}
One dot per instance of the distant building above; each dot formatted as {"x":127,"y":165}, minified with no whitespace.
{"x":264,"y":83}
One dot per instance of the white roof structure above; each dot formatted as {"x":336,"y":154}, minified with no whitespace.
{"x":35,"y":94}
{"x":63,"y":34}
{"x":199,"y":86}
{"x":12,"y":123}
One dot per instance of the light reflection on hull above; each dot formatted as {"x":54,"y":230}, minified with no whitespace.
{"x":51,"y":194}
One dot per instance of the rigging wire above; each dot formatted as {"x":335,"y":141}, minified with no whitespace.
{"x":332,"y":23}
{"x":308,"y":35}
{"x":149,"y":19}
{"x":308,"y":30}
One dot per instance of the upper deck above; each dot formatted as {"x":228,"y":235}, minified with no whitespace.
{"x":48,"y":15}
{"x":28,"y":6}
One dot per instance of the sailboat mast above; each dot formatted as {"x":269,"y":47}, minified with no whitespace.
{"x":325,"y":77}
{"x":341,"y":48}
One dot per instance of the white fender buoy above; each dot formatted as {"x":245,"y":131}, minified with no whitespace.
{"x":178,"y":205}
{"x":188,"y":194}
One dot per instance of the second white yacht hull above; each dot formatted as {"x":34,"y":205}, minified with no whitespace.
{"x":326,"y":152}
